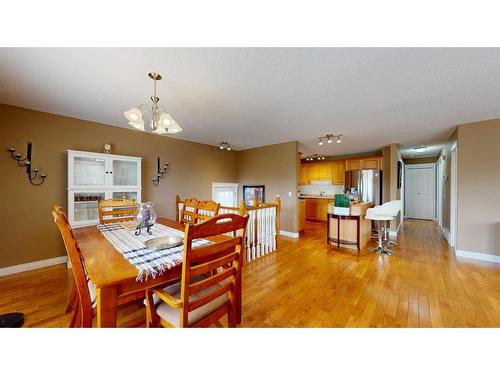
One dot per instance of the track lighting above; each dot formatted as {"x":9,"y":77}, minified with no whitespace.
{"x":329,"y":139}
{"x":224,"y":145}
{"x":315,"y":156}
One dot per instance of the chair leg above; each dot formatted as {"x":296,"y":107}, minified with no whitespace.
{"x":76,"y":321}
{"x":73,"y":297}
{"x":231,"y":318}
{"x":152,"y":318}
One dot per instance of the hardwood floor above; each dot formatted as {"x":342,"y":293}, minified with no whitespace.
{"x":307,"y":283}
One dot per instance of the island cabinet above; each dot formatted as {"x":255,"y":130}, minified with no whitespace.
{"x":353,"y":231}
{"x":316,"y":209}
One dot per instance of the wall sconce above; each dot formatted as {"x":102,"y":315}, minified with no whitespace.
{"x":160,"y":173}
{"x":33,"y":176}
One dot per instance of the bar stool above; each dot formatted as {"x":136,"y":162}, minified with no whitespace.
{"x":391,"y":208}
{"x":381,"y":217}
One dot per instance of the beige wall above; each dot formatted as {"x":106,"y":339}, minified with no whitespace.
{"x":275,"y":167}
{"x":390,"y":156}
{"x":26,"y":221}
{"x":479,"y":187}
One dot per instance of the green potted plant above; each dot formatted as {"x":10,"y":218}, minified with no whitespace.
{"x":342,"y":204}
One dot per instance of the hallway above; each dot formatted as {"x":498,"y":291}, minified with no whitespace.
{"x":307,"y":283}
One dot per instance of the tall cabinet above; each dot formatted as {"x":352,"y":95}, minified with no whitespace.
{"x":93,"y":177}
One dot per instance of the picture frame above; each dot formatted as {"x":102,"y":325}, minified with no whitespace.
{"x":254,"y":194}
{"x":400,"y":173}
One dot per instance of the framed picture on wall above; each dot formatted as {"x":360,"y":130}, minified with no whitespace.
{"x":400,"y":173}
{"x":254,"y":194}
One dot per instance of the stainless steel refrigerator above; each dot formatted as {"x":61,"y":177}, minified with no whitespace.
{"x":364,"y":185}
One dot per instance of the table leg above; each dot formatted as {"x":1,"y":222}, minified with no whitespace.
{"x":358,"y":237}
{"x":338,"y":232}
{"x":107,"y":306}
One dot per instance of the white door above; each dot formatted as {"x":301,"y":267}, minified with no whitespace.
{"x":420,"y":187}
{"x":225,"y":193}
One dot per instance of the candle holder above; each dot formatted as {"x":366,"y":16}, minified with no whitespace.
{"x":160,"y":173}
{"x":33,"y":174}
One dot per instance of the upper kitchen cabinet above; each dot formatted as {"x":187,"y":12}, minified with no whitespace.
{"x":365,"y":163}
{"x":373,"y":163}
{"x":325,"y":171}
{"x":312,"y":172}
{"x":352,"y":165}
{"x":338,"y":173}
{"x":303,"y":175}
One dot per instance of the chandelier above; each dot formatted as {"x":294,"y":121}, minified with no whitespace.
{"x":160,"y":122}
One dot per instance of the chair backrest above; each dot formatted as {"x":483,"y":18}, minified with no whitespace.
{"x":206,"y":210}
{"x":189,"y":211}
{"x":116,"y":209}
{"x":78,"y":268}
{"x":206,"y":259}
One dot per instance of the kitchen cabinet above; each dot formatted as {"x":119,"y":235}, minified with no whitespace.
{"x":370,"y":163}
{"x":312,"y":172}
{"x":325,"y":171}
{"x":303,"y":175}
{"x":352,"y":165}
{"x":338,"y":173}
{"x":316,"y":209}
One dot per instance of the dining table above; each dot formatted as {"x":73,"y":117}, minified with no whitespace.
{"x":114,"y":276}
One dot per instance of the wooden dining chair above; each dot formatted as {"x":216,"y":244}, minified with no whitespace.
{"x":116,"y":209}
{"x":83,"y":296}
{"x":189,"y":211}
{"x":84,"y":307}
{"x":206,"y":210}
{"x":203,"y":297}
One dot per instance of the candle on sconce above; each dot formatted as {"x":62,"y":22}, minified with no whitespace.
{"x":158,"y":164}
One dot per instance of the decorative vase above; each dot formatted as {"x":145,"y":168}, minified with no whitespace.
{"x":145,"y":218}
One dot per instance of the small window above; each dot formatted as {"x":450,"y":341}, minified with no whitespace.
{"x":225,"y":193}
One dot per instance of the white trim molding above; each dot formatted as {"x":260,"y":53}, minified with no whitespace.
{"x":478,"y":256}
{"x":289,"y":234}
{"x":393,"y":234}
{"x":446,"y":233}
{"x":32,"y":265}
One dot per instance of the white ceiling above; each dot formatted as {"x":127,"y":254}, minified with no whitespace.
{"x":257,"y":96}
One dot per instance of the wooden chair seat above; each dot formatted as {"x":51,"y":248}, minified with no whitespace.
{"x":171,"y":314}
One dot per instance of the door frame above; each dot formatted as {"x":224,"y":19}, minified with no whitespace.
{"x":454,"y":196}
{"x":421,"y":166}
{"x":440,"y":164}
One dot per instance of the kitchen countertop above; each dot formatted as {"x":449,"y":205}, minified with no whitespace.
{"x":315,"y":197}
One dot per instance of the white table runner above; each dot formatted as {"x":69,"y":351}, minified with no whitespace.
{"x":147,"y":261}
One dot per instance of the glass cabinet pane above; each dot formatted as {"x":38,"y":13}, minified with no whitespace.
{"x":127,"y":194}
{"x":124,"y":173}
{"x":85,"y":205}
{"x":89,"y":171}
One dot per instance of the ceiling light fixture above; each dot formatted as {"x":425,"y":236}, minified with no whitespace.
{"x":315,"y":156}
{"x":420,"y":149}
{"x":161,"y":122}
{"x":329,"y":139}
{"x":224,"y":145}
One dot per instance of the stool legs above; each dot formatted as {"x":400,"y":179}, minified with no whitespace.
{"x":381,"y":243}
{"x":387,"y":241}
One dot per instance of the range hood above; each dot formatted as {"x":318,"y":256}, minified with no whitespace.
{"x":321,"y":182}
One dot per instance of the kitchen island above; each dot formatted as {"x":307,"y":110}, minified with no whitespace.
{"x":355,"y":230}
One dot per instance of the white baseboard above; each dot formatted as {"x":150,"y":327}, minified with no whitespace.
{"x":393,"y":234}
{"x":32,"y":265}
{"x":446,"y":233}
{"x":289,"y":234}
{"x":478,"y":256}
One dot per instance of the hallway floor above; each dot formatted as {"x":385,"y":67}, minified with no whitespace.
{"x":308,"y":283}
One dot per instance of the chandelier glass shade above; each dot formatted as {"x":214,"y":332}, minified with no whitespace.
{"x":159,"y":121}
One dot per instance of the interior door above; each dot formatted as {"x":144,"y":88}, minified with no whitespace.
{"x":420,"y":187}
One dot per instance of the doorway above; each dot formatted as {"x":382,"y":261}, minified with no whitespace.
{"x":420,"y":191}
